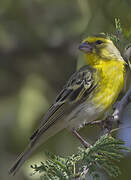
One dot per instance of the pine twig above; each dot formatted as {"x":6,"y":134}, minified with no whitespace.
{"x":102,"y":155}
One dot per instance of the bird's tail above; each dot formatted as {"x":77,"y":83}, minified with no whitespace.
{"x":35,"y":141}
{"x":21,"y":159}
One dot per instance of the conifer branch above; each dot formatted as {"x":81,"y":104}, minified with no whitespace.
{"x":100,"y":156}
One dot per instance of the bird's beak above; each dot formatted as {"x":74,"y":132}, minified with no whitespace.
{"x":86,"y":47}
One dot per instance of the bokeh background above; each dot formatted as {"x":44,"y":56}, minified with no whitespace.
{"x":38,"y":53}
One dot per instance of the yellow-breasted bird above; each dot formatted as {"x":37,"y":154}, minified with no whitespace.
{"x":87,"y":96}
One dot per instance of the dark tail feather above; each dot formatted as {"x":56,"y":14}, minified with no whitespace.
{"x":36,"y":140}
{"x":20,"y":160}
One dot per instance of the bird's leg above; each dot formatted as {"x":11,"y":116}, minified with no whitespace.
{"x":85,"y":144}
{"x":107,"y":124}
{"x":99,"y":123}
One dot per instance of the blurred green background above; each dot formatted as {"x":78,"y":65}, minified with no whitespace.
{"x":38,"y":52}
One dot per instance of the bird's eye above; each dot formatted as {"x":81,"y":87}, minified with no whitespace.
{"x":99,"y":42}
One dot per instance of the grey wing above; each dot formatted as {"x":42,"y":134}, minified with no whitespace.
{"x":77,"y":89}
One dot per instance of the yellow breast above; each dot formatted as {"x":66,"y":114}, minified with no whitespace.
{"x":110,"y":84}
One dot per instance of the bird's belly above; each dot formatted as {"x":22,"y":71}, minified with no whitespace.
{"x":83,"y":114}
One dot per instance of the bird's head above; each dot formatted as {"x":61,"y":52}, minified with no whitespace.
{"x":99,"y":47}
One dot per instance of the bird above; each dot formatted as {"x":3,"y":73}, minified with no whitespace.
{"x":87,"y":96}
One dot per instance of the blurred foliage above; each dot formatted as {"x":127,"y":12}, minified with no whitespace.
{"x":38,"y":49}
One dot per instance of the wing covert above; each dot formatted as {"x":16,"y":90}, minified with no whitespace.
{"x":76,"y":90}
